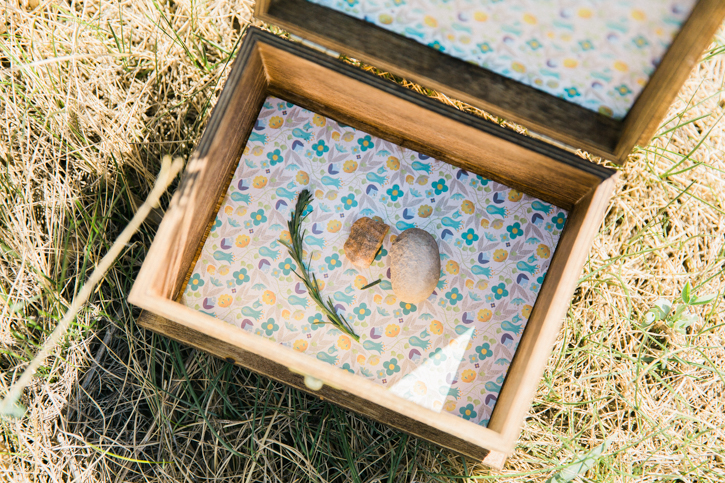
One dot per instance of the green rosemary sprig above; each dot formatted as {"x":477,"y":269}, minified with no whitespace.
{"x":307,"y":277}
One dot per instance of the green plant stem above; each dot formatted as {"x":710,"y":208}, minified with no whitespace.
{"x":372,"y":284}
{"x":308,"y":278}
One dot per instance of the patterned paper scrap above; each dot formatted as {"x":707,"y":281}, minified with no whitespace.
{"x":595,"y":53}
{"x":450,"y":352}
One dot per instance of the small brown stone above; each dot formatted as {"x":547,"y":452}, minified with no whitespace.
{"x":366,"y":238}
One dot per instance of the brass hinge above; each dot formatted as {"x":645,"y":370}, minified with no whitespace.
{"x":315,"y":46}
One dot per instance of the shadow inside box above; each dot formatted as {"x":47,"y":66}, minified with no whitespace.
{"x":156,"y":409}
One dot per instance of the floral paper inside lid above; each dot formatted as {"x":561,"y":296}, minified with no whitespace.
{"x":448,"y":353}
{"x":596,"y":53}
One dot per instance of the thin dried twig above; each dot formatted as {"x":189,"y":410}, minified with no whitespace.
{"x":10,"y":404}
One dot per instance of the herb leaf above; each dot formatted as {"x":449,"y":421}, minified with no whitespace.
{"x":308,"y":278}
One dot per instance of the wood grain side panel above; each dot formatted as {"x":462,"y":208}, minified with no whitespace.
{"x":205,"y":178}
{"x":549,"y":312}
{"x":278,"y":372}
{"x":412,"y":125}
{"x":546,"y":114}
{"x":651,"y":106}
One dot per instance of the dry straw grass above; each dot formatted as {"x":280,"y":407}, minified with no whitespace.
{"x":94,"y":93}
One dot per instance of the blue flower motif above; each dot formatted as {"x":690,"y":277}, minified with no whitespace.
{"x":316,"y":321}
{"x":362,"y":311}
{"x":347,"y":367}
{"x":349,"y":201}
{"x":482,"y":180}
{"x":468,"y":412}
{"x":320,"y":148}
{"x":333,"y":261}
{"x":287,"y":266}
{"x":499,"y":291}
{"x":440,"y":186}
{"x":586,"y":45}
{"x":534,"y":44}
{"x":230,"y":283}
{"x":269,"y":327}
{"x":485,"y":48}
{"x":395,"y":192}
{"x":640,"y":41}
{"x":381,"y":254}
{"x":438,"y":356}
{"x":307,"y":211}
{"x":454,"y":296}
{"x":391,"y":366}
{"x":469,"y":236}
{"x":623,"y":90}
{"x":559,"y":220}
{"x":489,"y":297}
{"x":549,"y":227}
{"x":195,"y":282}
{"x":438,"y":46}
{"x":408,"y":308}
{"x":217,"y":224}
{"x":258,"y":217}
{"x":366,"y":143}
{"x":572,"y":92}
{"x":351,"y":3}
{"x":241,"y":276}
{"x":484,"y":351}
{"x":381,"y":374}
{"x":515,"y":230}
{"x":275,"y":157}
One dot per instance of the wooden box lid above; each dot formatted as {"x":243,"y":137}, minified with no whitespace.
{"x":598,"y":78}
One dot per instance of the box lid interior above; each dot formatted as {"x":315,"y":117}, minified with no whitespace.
{"x":591,"y":75}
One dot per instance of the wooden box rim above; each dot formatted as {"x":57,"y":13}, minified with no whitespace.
{"x":563,"y":122}
{"x":260,"y":70}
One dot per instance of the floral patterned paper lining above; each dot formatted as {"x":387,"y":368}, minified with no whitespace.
{"x":450,"y":352}
{"x":595,"y":53}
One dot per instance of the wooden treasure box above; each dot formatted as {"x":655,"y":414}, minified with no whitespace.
{"x":258,"y":151}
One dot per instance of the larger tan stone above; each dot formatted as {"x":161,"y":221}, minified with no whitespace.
{"x":415,"y":265}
